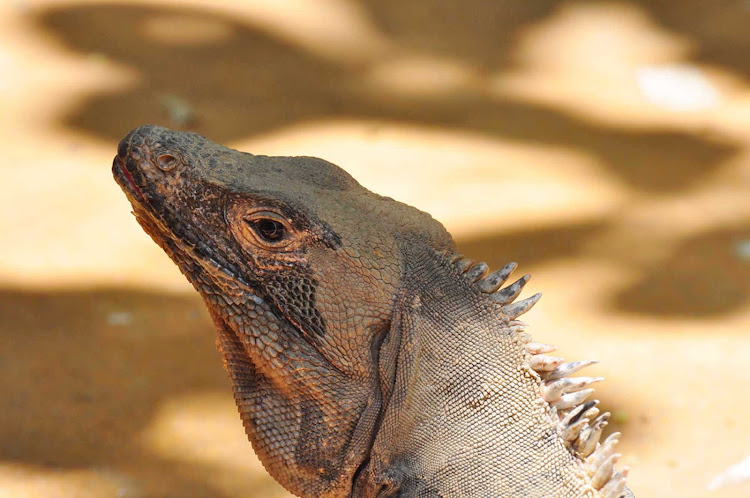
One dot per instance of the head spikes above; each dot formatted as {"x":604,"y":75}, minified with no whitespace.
{"x":615,"y":487}
{"x":567,"y":401}
{"x":539,"y":348}
{"x":588,"y":440}
{"x":605,"y":450}
{"x":604,"y":471}
{"x":476,"y":273}
{"x":554,"y":390}
{"x":578,"y":412}
{"x":571,"y":432}
{"x":543,"y":363}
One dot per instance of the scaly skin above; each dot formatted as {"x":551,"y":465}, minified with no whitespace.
{"x":367,"y":358}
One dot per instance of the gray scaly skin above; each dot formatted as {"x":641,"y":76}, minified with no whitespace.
{"x":368,"y":359}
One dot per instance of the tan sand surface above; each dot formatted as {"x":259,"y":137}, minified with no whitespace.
{"x":531,"y":129}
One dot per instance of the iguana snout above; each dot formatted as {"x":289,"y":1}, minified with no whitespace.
{"x":150,"y":166}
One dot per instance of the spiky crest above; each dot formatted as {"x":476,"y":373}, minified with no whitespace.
{"x":578,"y":421}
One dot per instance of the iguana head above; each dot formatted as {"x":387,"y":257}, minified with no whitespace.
{"x":340,"y":316}
{"x":300,"y":266}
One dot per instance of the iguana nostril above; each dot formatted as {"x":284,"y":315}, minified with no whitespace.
{"x":166,"y":162}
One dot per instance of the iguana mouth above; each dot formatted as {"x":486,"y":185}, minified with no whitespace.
{"x":125,"y":179}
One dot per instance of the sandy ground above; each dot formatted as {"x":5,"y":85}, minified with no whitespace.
{"x":542,"y":134}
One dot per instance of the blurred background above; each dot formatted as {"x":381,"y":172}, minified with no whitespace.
{"x":603,"y":145}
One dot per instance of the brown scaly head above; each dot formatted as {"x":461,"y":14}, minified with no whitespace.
{"x":367,"y":358}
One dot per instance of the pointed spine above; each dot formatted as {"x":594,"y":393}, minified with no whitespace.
{"x":510,"y":293}
{"x":494,"y":280}
{"x":604,"y":472}
{"x":615,"y":488}
{"x":513,"y":311}
{"x":553,"y":391}
{"x":567,"y":369}
{"x":476,"y":272}
{"x":463,"y":264}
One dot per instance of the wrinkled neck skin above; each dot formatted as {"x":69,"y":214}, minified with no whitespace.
{"x":311,"y":426}
{"x":463,"y":410}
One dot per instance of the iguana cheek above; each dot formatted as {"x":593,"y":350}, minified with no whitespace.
{"x":355,"y":300}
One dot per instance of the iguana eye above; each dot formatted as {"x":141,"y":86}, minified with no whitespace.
{"x":267,"y":229}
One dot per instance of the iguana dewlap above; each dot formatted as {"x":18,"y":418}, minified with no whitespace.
{"x":367,"y":357}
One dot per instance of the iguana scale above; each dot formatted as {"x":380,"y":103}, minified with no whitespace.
{"x":368,"y":358}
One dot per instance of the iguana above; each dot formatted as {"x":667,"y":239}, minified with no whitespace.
{"x":368,"y":358}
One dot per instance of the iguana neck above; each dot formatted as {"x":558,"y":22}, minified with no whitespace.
{"x":311,"y":444}
{"x":461,"y":396}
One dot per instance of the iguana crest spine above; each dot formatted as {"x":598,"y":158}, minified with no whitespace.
{"x":579,"y":422}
